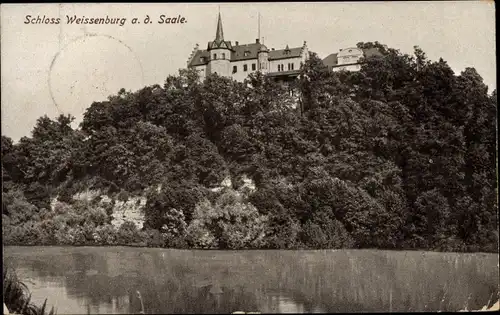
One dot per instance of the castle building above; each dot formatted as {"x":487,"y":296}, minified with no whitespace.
{"x":349,"y":59}
{"x":238,"y":61}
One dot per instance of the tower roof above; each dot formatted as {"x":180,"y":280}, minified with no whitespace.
{"x":219,"y":35}
{"x":219,"y":41}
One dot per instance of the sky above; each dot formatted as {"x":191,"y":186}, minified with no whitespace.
{"x":48,"y":69}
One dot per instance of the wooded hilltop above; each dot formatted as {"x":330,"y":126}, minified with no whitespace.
{"x":400,"y":155}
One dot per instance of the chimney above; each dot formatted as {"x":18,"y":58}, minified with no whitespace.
{"x":257,"y":41}
{"x":236,"y":43}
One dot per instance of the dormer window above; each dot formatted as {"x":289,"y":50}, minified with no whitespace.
{"x":246,"y":53}
{"x":202,"y":59}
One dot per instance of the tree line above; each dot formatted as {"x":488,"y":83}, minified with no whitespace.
{"x":398,"y":155}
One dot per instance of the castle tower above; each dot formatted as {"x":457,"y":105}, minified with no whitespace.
{"x":263,"y":59}
{"x":220,"y":53}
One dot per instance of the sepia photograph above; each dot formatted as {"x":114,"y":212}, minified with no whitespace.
{"x":249,"y":158}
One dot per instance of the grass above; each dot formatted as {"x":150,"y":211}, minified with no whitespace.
{"x":17,"y":297}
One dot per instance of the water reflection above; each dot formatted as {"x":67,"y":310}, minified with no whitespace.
{"x":106,"y":280}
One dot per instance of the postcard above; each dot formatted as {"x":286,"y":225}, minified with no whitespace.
{"x":249,"y":157}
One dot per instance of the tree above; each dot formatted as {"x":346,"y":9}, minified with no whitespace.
{"x":230,"y":223}
{"x":173,"y":206}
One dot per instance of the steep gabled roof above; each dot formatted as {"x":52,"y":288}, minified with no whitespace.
{"x":331,"y":60}
{"x":252,"y":50}
{"x":196,"y":61}
{"x":285,"y":53}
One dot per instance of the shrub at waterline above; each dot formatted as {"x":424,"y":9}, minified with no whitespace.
{"x":17,"y":298}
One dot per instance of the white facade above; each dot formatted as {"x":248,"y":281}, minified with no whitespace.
{"x":240,"y":75}
{"x":349,"y":56}
{"x":349,"y":59}
{"x":288,"y":64}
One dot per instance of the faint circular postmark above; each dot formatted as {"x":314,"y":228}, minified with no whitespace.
{"x":89,"y":68}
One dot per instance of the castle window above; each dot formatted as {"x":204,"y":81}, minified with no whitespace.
{"x":292,"y":65}
{"x":215,"y":56}
{"x":279,"y":67}
{"x":245,"y":67}
{"x":235,"y":69}
{"x":289,"y":67}
{"x":253,"y":66}
{"x":223,"y":56}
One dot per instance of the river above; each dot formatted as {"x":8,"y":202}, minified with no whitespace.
{"x":109,"y":280}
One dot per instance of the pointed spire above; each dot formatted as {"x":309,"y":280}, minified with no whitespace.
{"x":219,"y":36}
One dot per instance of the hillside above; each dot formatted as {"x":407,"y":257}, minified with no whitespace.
{"x":400,"y":155}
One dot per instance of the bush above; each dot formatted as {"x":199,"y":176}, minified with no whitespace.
{"x":17,"y":207}
{"x":97,"y":216}
{"x":326,"y":234}
{"x":182,"y":197}
{"x":229,"y":223}
{"x":17,"y":298}
{"x":105,"y":235}
{"x":38,"y":195}
{"x":284,"y":235}
{"x":154,"y":238}
{"x":128,"y":234}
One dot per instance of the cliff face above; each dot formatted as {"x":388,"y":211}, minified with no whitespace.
{"x":131,"y":210}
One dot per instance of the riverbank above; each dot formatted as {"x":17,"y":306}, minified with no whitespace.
{"x":142,"y":246}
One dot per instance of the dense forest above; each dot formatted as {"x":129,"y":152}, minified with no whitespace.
{"x":399,"y":155}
